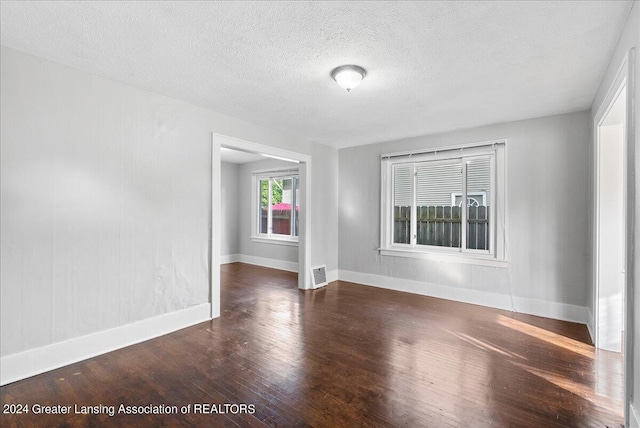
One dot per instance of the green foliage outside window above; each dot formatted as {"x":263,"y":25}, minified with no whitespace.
{"x":276,"y":195}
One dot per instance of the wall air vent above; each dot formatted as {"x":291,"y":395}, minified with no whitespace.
{"x":319,"y":276}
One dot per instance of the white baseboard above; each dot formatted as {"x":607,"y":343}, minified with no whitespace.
{"x":540,"y":308}
{"x":634,"y":419}
{"x":35,"y":361}
{"x":229,"y":258}
{"x":270,"y":263}
{"x":332,"y":275}
{"x":483,"y":298}
{"x":555,"y":310}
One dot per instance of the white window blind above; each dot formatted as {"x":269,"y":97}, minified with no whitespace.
{"x":402,"y":181}
{"x":435,"y":183}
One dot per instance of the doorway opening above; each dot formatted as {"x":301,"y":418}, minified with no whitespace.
{"x":300,"y":219}
{"x":259,"y":210}
{"x":613,"y":251}
{"x":611,"y":224}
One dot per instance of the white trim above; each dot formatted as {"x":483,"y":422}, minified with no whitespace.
{"x":35,"y":361}
{"x":460,"y":147}
{"x":625,"y":75}
{"x":229,"y":258}
{"x":464,"y":224}
{"x":634,"y":419}
{"x":483,"y":298}
{"x":276,"y":172}
{"x":251,"y":147}
{"x":304,"y":237}
{"x":269,"y":175}
{"x":630,"y":373}
{"x":555,"y":310}
{"x":443,"y":256}
{"x":270,"y":263}
{"x":215,"y":230}
{"x":274,"y":240}
{"x":613,"y":90}
{"x":619,"y":83}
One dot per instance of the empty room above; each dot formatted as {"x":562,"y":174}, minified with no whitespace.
{"x":319,"y":213}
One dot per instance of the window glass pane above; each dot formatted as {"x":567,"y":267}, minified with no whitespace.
{"x":264,"y":206}
{"x":438,"y":216}
{"x":296,"y":192}
{"x":281,"y":199}
{"x":478,"y":200}
{"x":402,"y":182}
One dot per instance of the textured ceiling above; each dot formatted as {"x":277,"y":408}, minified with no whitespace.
{"x":432,"y":66}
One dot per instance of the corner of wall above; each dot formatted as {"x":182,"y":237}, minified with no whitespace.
{"x":591,"y":325}
{"x":332,"y":275}
{"x":229,"y":258}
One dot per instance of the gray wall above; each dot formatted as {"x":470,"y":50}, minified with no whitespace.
{"x":229,"y":204}
{"x":246,"y":246}
{"x":629,"y":39}
{"x":547,"y":180}
{"x":324,"y":209}
{"x":105,"y":201}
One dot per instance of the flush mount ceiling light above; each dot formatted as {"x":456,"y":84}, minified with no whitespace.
{"x":348,"y":76}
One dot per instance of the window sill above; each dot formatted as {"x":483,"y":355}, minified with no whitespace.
{"x":457,"y":257}
{"x":277,"y":241}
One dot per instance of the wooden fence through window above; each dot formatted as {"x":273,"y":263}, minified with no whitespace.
{"x":441,"y":226}
{"x":280,"y":222}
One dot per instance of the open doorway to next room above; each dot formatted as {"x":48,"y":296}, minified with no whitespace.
{"x":260,"y":210}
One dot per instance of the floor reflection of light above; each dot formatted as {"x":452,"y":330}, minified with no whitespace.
{"x":486,"y":345}
{"x":576,"y":388}
{"x":413,"y":363}
{"x":547,"y":336}
{"x":283,"y":317}
{"x":606,"y":392}
{"x":607,"y":380}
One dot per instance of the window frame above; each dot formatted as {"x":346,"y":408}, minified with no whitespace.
{"x":270,"y":237}
{"x":496,"y":254}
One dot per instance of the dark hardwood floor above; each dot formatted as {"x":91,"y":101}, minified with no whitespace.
{"x":346,"y":355}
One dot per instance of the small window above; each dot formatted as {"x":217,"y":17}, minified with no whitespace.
{"x":444,"y":201}
{"x":277,"y":205}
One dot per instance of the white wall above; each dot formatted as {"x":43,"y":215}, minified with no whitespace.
{"x":229,"y":209}
{"x":105,"y":201}
{"x":285,"y":253}
{"x":630,"y":39}
{"x":547,"y":200}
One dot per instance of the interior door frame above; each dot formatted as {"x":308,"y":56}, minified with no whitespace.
{"x":623,"y":81}
{"x":304,"y":238}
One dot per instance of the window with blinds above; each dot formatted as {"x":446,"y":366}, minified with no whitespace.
{"x":437,"y":220}
{"x":442,"y":200}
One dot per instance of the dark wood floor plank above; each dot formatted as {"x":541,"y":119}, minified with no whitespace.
{"x":345,"y":355}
